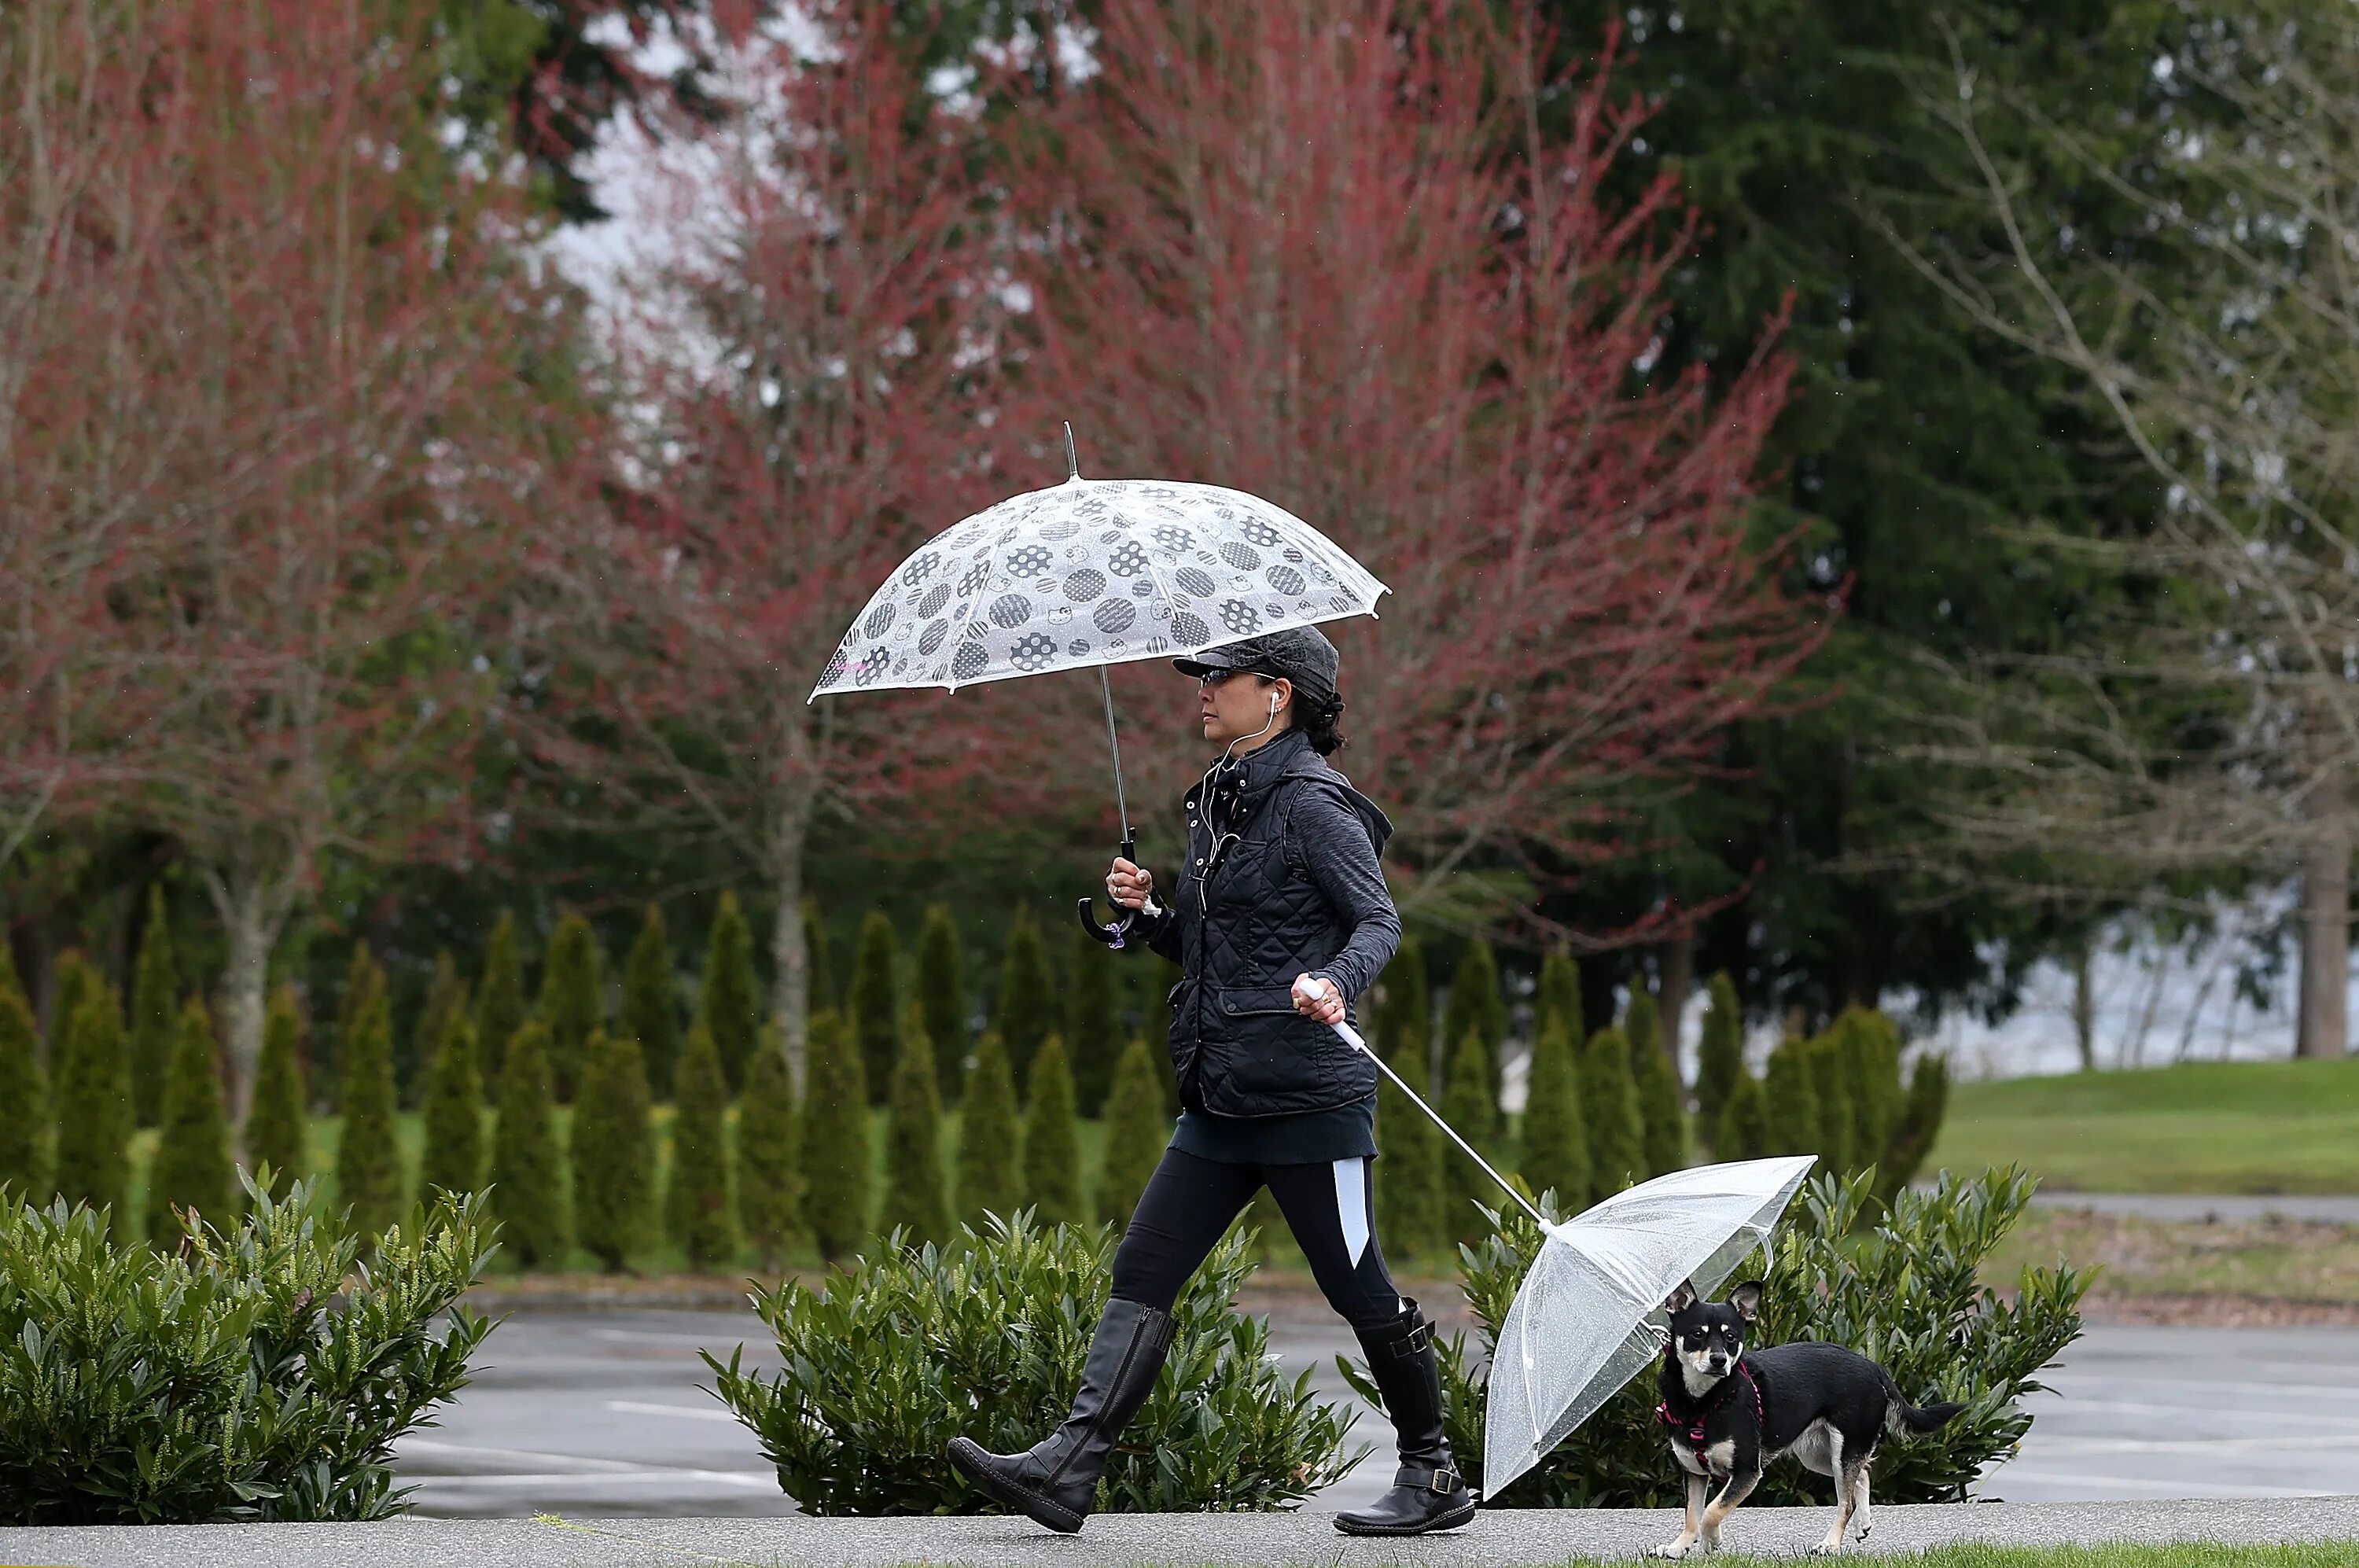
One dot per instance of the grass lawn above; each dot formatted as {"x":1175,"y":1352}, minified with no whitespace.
{"x":2279,"y":1259}
{"x":2320,"y":1555}
{"x":2243,"y":1127}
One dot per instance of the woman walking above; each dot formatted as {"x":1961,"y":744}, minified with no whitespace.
{"x":1280,"y":889}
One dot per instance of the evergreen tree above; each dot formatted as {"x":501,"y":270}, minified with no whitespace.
{"x":527,"y":1162}
{"x":1790,"y":1102}
{"x":876,"y":1006}
{"x":991,"y":1140}
{"x":155,"y":1011}
{"x":730,"y":1003}
{"x":368,"y":1150}
{"x":1744,"y":1132}
{"x":941,"y":997}
{"x":1136,"y":1133}
{"x":703,"y":1219}
{"x":1027,"y":1003}
{"x":1662,"y":1116}
{"x":24,"y":1163}
{"x":446,"y":996}
{"x":1052,"y":1141}
{"x":836,"y":1151}
{"x":1918,"y":1127}
{"x":1824,"y":1057}
{"x":769,"y":1158}
{"x":572,"y":1001}
{"x":94,"y":1116}
{"x":824,"y":997}
{"x":363,"y":987}
{"x":1642,"y":1025}
{"x":277,"y":1122}
{"x":499,"y":1000}
{"x":1470,"y":1103}
{"x":1404,"y":1017}
{"x":1720,"y":1059}
{"x":1091,"y":1041}
{"x":651,"y":1011}
{"x":453,"y":1158}
{"x":614,"y":1152}
{"x":1867,"y":1048}
{"x":1609,"y":1105}
{"x":192,"y":1172}
{"x":1410,"y":1194}
{"x":1556,"y":1144}
{"x":1559,"y":1000}
{"x":1476,"y":1008}
{"x":914,"y":1199}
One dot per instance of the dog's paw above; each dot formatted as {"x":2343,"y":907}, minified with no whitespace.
{"x":1827,"y":1548}
{"x":1674,"y":1548}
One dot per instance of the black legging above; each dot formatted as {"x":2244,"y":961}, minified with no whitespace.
{"x":1190,"y":1202}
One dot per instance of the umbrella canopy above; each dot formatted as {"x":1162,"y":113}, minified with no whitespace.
{"x":1581,"y":1327}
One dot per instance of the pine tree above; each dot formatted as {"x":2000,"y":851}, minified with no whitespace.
{"x":24,"y":1163}
{"x":94,"y":1118}
{"x":368,"y":1151}
{"x":278,"y":1123}
{"x":453,"y":1158}
{"x":614,"y":1152}
{"x":730,"y":1002}
{"x":1744,"y":1132}
{"x":836,"y":1152}
{"x":1720,"y":1059}
{"x":991,"y":1140}
{"x":650,"y":1012}
{"x":1404,"y":1017}
{"x":824,"y":997}
{"x":1662,"y":1117}
{"x":1642,"y":1025}
{"x":913,"y":1199}
{"x":941,"y":997}
{"x":1609,"y":1105}
{"x":876,"y":1006}
{"x":1052,"y":1141}
{"x":499,"y":1000}
{"x":1476,"y":1008}
{"x":446,"y":995}
{"x":1136,"y":1133}
{"x":192,"y":1172}
{"x":155,"y":1011}
{"x":1409,"y":1184}
{"x":1556,"y":1144}
{"x":1091,"y":1041}
{"x":702,"y":1218}
{"x":1559,"y":1000}
{"x":72,"y":980}
{"x":1867,"y":1049}
{"x":1027,"y":1005}
{"x":1790,"y":1102}
{"x":1824,"y":1057}
{"x":363,"y":985}
{"x":769,"y":1157}
{"x":572,"y":1001}
{"x":528,"y":1162}
{"x":1469,"y":1102}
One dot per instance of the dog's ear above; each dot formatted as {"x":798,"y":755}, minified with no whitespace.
{"x":1746,"y":1300}
{"x":1683,"y":1298}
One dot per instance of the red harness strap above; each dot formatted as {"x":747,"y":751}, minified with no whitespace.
{"x":1692,"y":1432}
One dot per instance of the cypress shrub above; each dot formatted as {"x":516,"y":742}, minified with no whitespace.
{"x":1470,"y":1103}
{"x":1559,"y":1000}
{"x":819,"y":964}
{"x":499,"y":1000}
{"x":572,"y":1001}
{"x":835,"y":1147}
{"x":1027,"y":1005}
{"x":1917,"y":1126}
{"x":728,"y":1003}
{"x":1609,"y":1105}
{"x":1404,"y":1017}
{"x":368,"y":1153}
{"x":278,"y":1123}
{"x":1824,"y":1057}
{"x":1867,"y":1049}
{"x":1719,"y":1061}
{"x":991,"y":1141}
{"x":364,"y":980}
{"x":769,"y":1161}
{"x":915,"y":1202}
{"x":1475,"y":1007}
{"x":192,"y":1172}
{"x":1662,"y":1119}
{"x":1790,"y":1102}
{"x":1091,"y":1041}
{"x":528,"y":1164}
{"x":651,"y":1011}
{"x":73,"y":979}
{"x":453,"y":1158}
{"x":446,"y":995}
{"x":25,"y":1164}
{"x":702,"y":1218}
{"x":1556,"y":1145}
{"x":95,"y":1119}
{"x":1410,"y":1197}
{"x":155,"y":1012}
{"x":614,"y":1152}
{"x":941,"y":997}
{"x":1744,"y":1132}
{"x":1642,"y":1025}
{"x":1052,"y":1141}
{"x":1137,"y":1132}
{"x":875,"y":1005}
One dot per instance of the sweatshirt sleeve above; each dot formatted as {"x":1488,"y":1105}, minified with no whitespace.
{"x":1334,"y":849}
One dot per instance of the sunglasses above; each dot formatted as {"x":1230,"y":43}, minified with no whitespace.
{"x":1213,"y":678}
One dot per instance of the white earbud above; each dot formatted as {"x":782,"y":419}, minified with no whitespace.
{"x":1273,"y":704}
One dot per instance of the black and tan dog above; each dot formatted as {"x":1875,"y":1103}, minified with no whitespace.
{"x":1731,"y":1410}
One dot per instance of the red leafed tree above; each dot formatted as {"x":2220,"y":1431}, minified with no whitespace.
{"x":1323,"y":251}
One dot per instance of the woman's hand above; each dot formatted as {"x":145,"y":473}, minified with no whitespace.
{"x":1129,"y":886}
{"x":1318,"y":998}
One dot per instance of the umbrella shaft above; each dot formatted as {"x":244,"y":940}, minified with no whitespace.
{"x":1351,"y":1037}
{"x":1114,"y":744}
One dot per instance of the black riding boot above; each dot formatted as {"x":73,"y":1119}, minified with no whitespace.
{"x":1428,"y":1493}
{"x":1056,"y":1480}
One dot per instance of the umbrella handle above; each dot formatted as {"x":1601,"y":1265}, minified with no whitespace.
{"x":1116,"y":933}
{"x":1351,"y":1037}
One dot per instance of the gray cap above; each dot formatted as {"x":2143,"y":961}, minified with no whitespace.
{"x":1300,"y":654}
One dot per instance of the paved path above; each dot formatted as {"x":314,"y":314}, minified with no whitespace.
{"x":2336,"y":1209}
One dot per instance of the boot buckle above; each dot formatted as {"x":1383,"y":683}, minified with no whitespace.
{"x":1443,"y":1479}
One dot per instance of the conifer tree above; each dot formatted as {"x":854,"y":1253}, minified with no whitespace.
{"x":368,"y":1150}
{"x":192,"y":1172}
{"x":72,"y":979}
{"x":1867,"y":1049}
{"x":614,"y":1152}
{"x":941,"y":997}
{"x":824,"y":997}
{"x":1743,"y":1120}
{"x":704,"y":1220}
{"x":1720,"y":1059}
{"x":363,"y":985}
{"x":500,"y":1009}
{"x":94,"y":1117}
{"x":1052,"y":1141}
{"x":651,"y":1011}
{"x":1409,"y":1194}
{"x":155,"y":1011}
{"x":1475,"y":1007}
{"x":875,"y":1005}
{"x":1559,"y":1000}
{"x":836,"y":1151}
{"x":25,"y":1164}
{"x":1642,"y":1025}
{"x":277,"y":1122}
{"x":572,"y":1001}
{"x":446,"y":994}
{"x":1470,"y":1103}
{"x":1092,"y":1044}
{"x":1790,"y":1102}
{"x":1026,"y":1012}
{"x":1918,"y":1127}
{"x":528,"y":1188}
{"x":453,"y":1156}
{"x":914,"y":1199}
{"x":1662,"y":1118}
{"x":1556,"y":1144}
{"x":730,"y":1001}
{"x":1136,"y":1133}
{"x":1824,"y":1057}
{"x":770,"y":1155}
{"x":1609,"y":1106}
{"x":1404,"y":1017}
{"x":991,"y":1140}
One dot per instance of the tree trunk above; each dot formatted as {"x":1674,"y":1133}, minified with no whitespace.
{"x":2084,"y":1004}
{"x":2324,"y":1027}
{"x":1678,"y":978}
{"x":790,"y":994}
{"x":252,"y":909}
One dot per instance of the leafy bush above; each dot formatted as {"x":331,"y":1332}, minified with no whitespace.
{"x":263,"y":1374}
{"x":985,"y":1339}
{"x":1904,"y":1291}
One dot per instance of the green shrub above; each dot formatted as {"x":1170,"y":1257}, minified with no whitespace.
{"x":1662,"y":1118}
{"x":941,"y":997}
{"x":499,"y":1000}
{"x":1092,"y":1044}
{"x":1790,"y":1102}
{"x":155,"y":1011}
{"x":364,"y":979}
{"x":192,"y":1172}
{"x":1471,"y":1104}
{"x":1719,"y":1061}
{"x":1026,"y":1010}
{"x":71,"y":979}
{"x":572,"y":1001}
{"x":824,"y":997}
{"x":875,"y":1003}
{"x":94,"y":1138}
{"x":1556,"y":1144}
{"x":453,"y":1158}
{"x":1918,"y":1125}
{"x":277,"y":1125}
{"x":25,"y":1155}
{"x":1866,"y":1047}
{"x":1136,"y":1134}
{"x":991,"y":1139}
{"x":1052,"y":1141}
{"x":446,"y":998}
{"x":1410,"y":1201}
{"x":528,"y":1164}
{"x":769,"y":1157}
{"x":1558,"y":1000}
{"x":702,"y":1219}
{"x":1824,"y":1057}
{"x":1609,"y":1107}
{"x":1744,"y":1131}
{"x":368,"y":1151}
{"x":1404,"y":1017}
{"x":1642,"y":1025}
{"x":1475,"y":1007}
{"x":730,"y":1003}
{"x":915,"y":1202}
{"x":1906,"y":1291}
{"x":836,"y":1197}
{"x":258,"y":1375}
{"x":914,"y":1347}
{"x":651,"y":1011}
{"x":614,"y":1152}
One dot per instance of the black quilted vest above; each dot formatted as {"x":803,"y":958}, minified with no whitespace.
{"x":1245,"y":931}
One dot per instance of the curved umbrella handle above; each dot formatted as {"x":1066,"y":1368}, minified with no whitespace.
{"x":1116,"y":933}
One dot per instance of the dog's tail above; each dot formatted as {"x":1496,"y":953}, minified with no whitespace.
{"x":1905,"y":1420}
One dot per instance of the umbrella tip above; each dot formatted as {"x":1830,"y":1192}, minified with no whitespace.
{"x":1072,"y":463}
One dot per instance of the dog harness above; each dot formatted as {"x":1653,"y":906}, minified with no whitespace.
{"x":1691,"y":1431}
